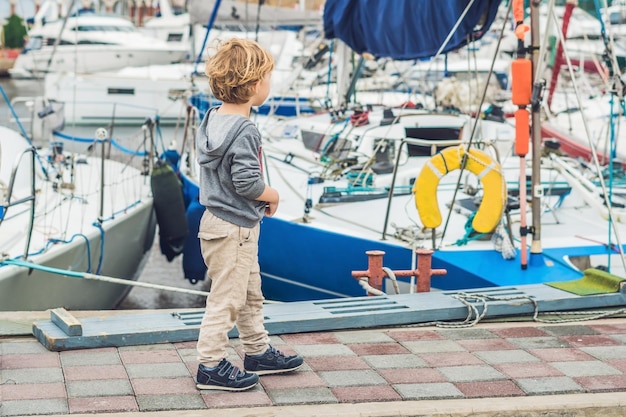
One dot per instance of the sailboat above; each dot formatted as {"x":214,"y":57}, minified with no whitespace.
{"x":73,"y":228}
{"x":415,"y":184}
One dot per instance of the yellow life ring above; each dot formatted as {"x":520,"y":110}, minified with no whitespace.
{"x":479,"y":163}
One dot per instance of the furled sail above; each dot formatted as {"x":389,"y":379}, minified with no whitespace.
{"x":407,"y":29}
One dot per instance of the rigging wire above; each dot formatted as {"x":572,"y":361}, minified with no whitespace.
{"x":592,"y":146}
{"x":477,"y":121}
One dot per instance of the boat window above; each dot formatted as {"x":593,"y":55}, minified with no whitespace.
{"x":174,"y":37}
{"x":103,"y":28}
{"x":433,"y":134}
{"x":34,"y":43}
{"x":124,"y":91}
{"x":90,"y":42}
{"x":51,"y":41}
{"x":616,"y":18}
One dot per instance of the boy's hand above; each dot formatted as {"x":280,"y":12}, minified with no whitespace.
{"x":270,"y":209}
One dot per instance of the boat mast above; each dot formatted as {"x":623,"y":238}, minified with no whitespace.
{"x":535,"y":132}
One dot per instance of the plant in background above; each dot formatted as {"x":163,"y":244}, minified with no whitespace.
{"x":14,"y":32}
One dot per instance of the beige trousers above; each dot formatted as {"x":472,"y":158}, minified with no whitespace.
{"x":231,"y":255}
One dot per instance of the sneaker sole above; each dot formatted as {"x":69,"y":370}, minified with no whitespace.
{"x":275,"y":371}
{"x":221,"y":388}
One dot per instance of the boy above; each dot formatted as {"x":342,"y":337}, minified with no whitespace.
{"x":236,"y":198}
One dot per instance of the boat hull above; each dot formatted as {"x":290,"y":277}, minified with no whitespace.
{"x":22,"y":289}
{"x":35,"y":64}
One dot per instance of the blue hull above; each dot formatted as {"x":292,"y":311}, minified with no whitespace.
{"x":299,"y":262}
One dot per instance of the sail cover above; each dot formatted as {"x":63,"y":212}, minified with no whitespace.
{"x":407,"y":29}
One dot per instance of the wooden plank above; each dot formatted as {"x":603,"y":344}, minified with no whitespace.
{"x":66,"y":322}
{"x":325,"y":315}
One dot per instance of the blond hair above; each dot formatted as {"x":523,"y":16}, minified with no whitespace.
{"x":235,"y":68}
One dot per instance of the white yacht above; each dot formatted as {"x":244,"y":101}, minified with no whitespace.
{"x":88,"y":42}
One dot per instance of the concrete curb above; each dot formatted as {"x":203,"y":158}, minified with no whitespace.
{"x":570,"y":405}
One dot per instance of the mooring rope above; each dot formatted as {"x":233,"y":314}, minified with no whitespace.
{"x":87,"y":275}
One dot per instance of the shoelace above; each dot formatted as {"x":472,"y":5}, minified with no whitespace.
{"x":275,"y":351}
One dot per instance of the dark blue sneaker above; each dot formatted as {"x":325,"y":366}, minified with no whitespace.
{"x":271,"y":362}
{"x":226,"y":377}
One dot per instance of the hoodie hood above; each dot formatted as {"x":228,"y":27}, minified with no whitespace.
{"x":212,"y":145}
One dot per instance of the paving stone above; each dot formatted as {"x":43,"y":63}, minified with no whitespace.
{"x":22,"y":348}
{"x":35,"y":360}
{"x":31,"y":376}
{"x":338,"y":363}
{"x":363,"y":337}
{"x":528,"y":370}
{"x":429,"y":391}
{"x":159,"y":370}
{"x":328,"y":350}
{"x":466,"y":334}
{"x":82,"y":358}
{"x":85,"y":373}
{"x":150,"y":356}
{"x":560,"y":355}
{"x":433,"y":346}
{"x":470,"y":373}
{"x":144,"y":348}
{"x":516,"y":332}
{"x":378,"y":349}
{"x":569,"y":330}
{"x":394,"y":361}
{"x":412,"y":335}
{"x":32,"y":391}
{"x":539,"y":342}
{"x":254,"y":397}
{"x":549,"y":385}
{"x":319,"y":395}
{"x":34,"y":407}
{"x":149,"y":348}
{"x":617,"y":364}
{"x":351,"y":378}
{"x":188,"y":355}
{"x":170,"y":402}
{"x":365,"y":393}
{"x":163,"y":386}
{"x":322,"y":338}
{"x":479,"y":345}
{"x":587,"y":368}
{"x":103,"y":388}
{"x":606,"y":352}
{"x":611,"y":328}
{"x":506,"y":356}
{"x":590,"y":340}
{"x":489,"y":389}
{"x":450,"y":359}
{"x":603,"y":383}
{"x":292,"y":379}
{"x":103,"y":404}
{"x":411,"y":375}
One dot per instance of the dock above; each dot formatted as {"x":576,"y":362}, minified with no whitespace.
{"x":494,"y":368}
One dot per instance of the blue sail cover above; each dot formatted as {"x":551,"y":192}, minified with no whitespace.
{"x":406,"y":29}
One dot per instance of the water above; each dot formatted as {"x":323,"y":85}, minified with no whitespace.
{"x":157,"y":270}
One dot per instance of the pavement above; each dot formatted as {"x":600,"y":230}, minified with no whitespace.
{"x":521,"y":369}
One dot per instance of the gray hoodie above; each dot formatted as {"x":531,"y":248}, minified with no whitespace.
{"x":231,"y":176}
